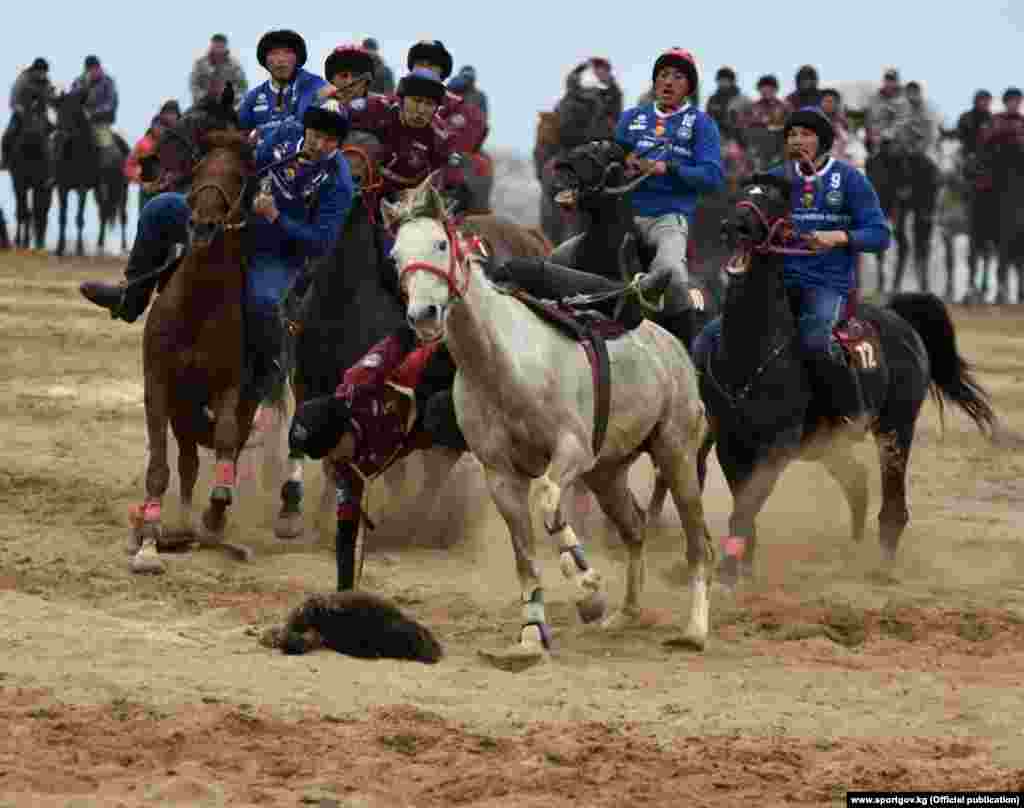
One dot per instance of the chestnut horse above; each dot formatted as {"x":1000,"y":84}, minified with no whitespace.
{"x":193,"y":358}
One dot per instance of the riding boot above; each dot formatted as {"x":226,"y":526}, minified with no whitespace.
{"x":839,"y":386}
{"x":265,"y":342}
{"x":128,"y":300}
{"x":345,"y":549}
{"x":547,"y":281}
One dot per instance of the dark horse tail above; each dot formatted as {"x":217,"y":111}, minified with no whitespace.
{"x":952,"y":376}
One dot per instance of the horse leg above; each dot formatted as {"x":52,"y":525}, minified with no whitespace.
{"x":924,"y":226}
{"x":616,"y":499}
{"x":288,"y":524}
{"x":902,"y":249}
{"x":511,"y":494}
{"x":658,"y":496}
{"x":1002,"y":278}
{"x":751,"y":480}
{"x":226,"y":441}
{"x":565,"y":468}
{"x":675,"y":454}
{"x":852,"y":476}
{"x":41,"y":204}
{"x":62,"y":221}
{"x":893,"y":454}
{"x":148,"y":530}
{"x":947,"y":244}
{"x":188,"y":472}
{"x":83,"y":196}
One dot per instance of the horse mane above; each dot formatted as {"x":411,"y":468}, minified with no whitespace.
{"x":422,"y":202}
{"x":230,"y":139}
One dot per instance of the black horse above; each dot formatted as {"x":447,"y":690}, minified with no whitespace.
{"x":907,"y":183}
{"x":591,"y":179}
{"x":758,"y":392}
{"x":81,"y":165}
{"x":31,"y":172}
{"x":1004,"y":159}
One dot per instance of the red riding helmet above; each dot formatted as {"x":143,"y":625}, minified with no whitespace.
{"x":683,"y":59}
{"x":350,"y":58}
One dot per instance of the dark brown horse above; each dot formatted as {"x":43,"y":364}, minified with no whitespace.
{"x":193,"y":358}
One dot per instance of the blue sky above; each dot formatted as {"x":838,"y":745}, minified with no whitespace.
{"x":522,"y":51}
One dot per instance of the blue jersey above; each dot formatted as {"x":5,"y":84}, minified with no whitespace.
{"x":313,"y":199}
{"x":265,"y":107}
{"x":688,"y":141}
{"x":838,"y":197}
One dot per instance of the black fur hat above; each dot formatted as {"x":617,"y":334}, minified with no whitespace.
{"x":432,"y":51}
{"x":282,"y":38}
{"x":318,"y":424}
{"x":421,"y":84}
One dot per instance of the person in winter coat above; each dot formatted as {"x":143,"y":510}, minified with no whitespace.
{"x":214,"y":70}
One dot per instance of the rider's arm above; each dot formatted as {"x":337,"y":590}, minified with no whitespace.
{"x":246,"y":117}
{"x":107,"y":100}
{"x":308,"y":96}
{"x":870,"y":231}
{"x":379,"y":363}
{"x":198,"y":82}
{"x":317,"y":236}
{"x":707,"y":174}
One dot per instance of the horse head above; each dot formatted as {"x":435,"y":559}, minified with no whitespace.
{"x":182,"y":146}
{"x":588,"y":173}
{"x":432,"y":271}
{"x":71,"y":115}
{"x":219,"y":185}
{"x":758,"y":220}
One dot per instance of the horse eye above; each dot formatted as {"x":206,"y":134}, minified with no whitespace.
{"x":442,"y":246}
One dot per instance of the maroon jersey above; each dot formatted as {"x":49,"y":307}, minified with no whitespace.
{"x":1005,"y":128}
{"x":370,"y":113}
{"x":409,"y":154}
{"x":464,"y":122}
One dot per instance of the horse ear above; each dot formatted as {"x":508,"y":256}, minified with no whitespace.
{"x":227,"y":98}
{"x":389,"y":213}
{"x":429,"y":198}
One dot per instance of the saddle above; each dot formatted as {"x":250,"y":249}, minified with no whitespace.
{"x":593,"y":331}
{"x":861,"y":342}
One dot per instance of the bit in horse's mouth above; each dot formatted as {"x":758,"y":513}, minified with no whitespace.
{"x":566,"y":198}
{"x":739,"y":261}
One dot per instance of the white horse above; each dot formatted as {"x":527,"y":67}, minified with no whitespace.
{"x":525,"y":401}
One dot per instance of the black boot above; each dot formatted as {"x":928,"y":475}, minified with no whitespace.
{"x":265,"y":342}
{"x":840,"y":388}
{"x":128,"y":300}
{"x":345,"y":548}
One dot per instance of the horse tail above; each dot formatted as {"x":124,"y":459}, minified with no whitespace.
{"x":952,"y":376}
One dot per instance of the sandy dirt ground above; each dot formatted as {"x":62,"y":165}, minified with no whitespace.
{"x":823,"y":675}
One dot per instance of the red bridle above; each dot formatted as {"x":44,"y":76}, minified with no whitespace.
{"x":779,"y":233}
{"x":458,"y":273}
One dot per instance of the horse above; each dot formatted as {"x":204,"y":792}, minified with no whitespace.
{"x":907,"y":183}
{"x":591,"y":179}
{"x":526,"y":403}
{"x":193,"y":352}
{"x":763,"y":411}
{"x":351,"y":304}
{"x":81,"y":165}
{"x":1005,"y":161}
{"x":31,"y":172}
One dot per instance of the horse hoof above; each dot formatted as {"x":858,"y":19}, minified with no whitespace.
{"x":593,"y":607}
{"x":289,"y":526}
{"x":272,"y":637}
{"x":729,"y":573}
{"x":147,"y":560}
{"x":620,"y":620}
{"x":239,"y":552}
{"x":690,"y":641}
{"x":213,"y":524}
{"x":518,"y":658}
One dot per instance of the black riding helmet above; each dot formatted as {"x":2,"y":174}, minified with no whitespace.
{"x":283,"y":38}
{"x":433,"y":52}
{"x":814,"y":119}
